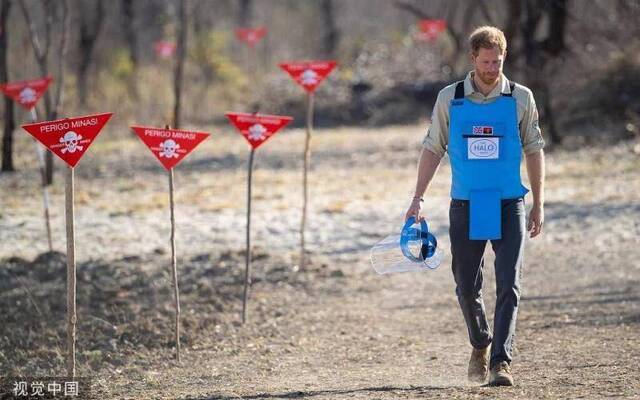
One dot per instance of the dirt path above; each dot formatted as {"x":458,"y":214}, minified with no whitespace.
{"x":336,"y":330}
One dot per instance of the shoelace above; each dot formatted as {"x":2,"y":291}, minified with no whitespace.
{"x":503,"y":366}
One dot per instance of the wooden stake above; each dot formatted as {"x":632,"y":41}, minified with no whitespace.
{"x":43,"y":174}
{"x":252,"y":62}
{"x":174,"y":266}
{"x":305,"y":190}
{"x":71,"y":276}
{"x":247,"y":272}
{"x":246,"y":51}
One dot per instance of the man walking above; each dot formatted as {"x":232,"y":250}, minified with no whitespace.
{"x":485,"y":123}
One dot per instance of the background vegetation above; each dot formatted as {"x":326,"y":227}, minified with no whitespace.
{"x":582,"y":59}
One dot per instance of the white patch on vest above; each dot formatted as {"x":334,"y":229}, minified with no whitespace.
{"x":483,"y":148}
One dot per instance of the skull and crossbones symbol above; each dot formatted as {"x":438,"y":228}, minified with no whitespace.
{"x":27,"y":95}
{"x":70,"y":141}
{"x":257,"y":131}
{"x":169,"y":148}
{"x":309,"y":77}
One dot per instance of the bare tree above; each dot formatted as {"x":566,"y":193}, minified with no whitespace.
{"x":91,"y":21}
{"x":202,"y":24}
{"x":245,"y":13}
{"x":332,"y":34}
{"x":511,"y":31}
{"x":9,"y":118}
{"x":131,"y":37}
{"x":450,"y":11}
{"x":539,"y":52}
{"x":459,"y":21}
{"x":128,"y":24}
{"x":41,"y":49}
{"x":180,"y":57}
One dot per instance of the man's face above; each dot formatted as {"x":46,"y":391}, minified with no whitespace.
{"x":488,"y":65}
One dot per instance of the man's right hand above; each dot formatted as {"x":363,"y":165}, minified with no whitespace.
{"x":414,"y":210}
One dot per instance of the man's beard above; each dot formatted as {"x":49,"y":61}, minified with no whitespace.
{"x":487,"y":79}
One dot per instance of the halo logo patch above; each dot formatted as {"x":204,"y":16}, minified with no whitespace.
{"x":483,"y":148}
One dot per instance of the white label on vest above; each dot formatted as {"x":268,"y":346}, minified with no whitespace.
{"x":483,"y":148}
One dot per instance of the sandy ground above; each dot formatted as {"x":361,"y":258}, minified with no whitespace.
{"x":335,"y":329}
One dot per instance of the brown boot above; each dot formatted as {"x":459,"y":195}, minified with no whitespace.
{"x":501,"y":375}
{"x":478,"y":365}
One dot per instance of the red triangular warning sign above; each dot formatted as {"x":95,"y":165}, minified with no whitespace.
{"x":169,"y":146}
{"x":164,"y":48}
{"x":251,"y":36}
{"x":26,"y":93}
{"x":69,"y":138}
{"x":430,"y":29}
{"x":257,"y":128}
{"x":308,"y":74}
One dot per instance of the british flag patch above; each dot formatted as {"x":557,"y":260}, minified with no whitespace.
{"x":483,"y":130}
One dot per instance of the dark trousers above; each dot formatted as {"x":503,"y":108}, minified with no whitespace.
{"x":467,"y":264}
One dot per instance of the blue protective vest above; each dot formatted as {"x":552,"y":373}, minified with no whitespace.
{"x":485,"y":153}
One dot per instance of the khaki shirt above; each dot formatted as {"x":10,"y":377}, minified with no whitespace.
{"x":437,"y":137}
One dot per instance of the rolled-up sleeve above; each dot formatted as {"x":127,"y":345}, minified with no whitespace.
{"x":530,"y":132}
{"x":437,"y":136}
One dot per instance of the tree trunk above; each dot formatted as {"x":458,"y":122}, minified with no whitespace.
{"x":514,"y":12}
{"x":554,"y":44}
{"x":91,"y":18}
{"x":41,"y":47}
{"x":58,"y":100}
{"x":331,"y":35}
{"x":245,"y":13}
{"x":539,"y":53}
{"x":56,"y":107}
{"x":9,"y":120}
{"x":181,"y":53}
{"x":130,"y":31}
{"x":129,"y":27}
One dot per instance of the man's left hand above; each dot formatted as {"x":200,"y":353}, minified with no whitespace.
{"x":536,"y":219}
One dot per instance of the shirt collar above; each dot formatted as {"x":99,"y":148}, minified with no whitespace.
{"x":501,"y":87}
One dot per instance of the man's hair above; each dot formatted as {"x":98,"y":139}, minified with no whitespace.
{"x":487,"y":37}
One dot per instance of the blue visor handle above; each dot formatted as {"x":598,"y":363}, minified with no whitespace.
{"x":429,"y":242}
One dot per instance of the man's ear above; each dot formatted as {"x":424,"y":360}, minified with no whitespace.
{"x":472,"y":58}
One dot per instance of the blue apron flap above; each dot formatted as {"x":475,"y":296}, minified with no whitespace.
{"x":485,"y":214}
